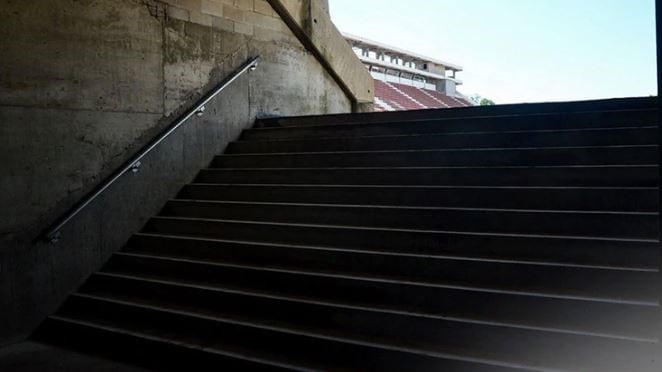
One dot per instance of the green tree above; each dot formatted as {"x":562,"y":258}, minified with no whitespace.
{"x":486,"y":102}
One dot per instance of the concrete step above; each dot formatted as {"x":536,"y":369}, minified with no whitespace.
{"x":633,"y":225}
{"x":300,"y":346}
{"x":208,"y":272}
{"x":573,"y":176}
{"x":451,"y":125}
{"x":405,"y":292}
{"x":370,"y":326}
{"x":515,"y":139}
{"x":484,"y":239}
{"x":560,"y":198}
{"x":600,"y":108}
{"x":577,"y":319}
{"x":150,"y":349}
{"x":617,"y":253}
{"x":630,"y":155}
{"x":553,"y":280}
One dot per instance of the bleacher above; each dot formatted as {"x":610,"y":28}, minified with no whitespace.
{"x":400,"y":97}
{"x":422,"y":82}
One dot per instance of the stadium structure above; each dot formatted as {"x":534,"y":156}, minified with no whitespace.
{"x":193,"y":185}
{"x":407,"y":80}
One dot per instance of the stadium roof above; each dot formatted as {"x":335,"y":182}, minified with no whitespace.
{"x":400,"y":52}
{"x":413,"y":71}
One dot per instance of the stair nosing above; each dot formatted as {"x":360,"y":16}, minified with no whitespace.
{"x":438,"y":121}
{"x":335,"y":338}
{"x":441,"y":150}
{"x":412,"y":207}
{"x":440,"y":187}
{"x":394,"y":253}
{"x":349,"y":306}
{"x":507,"y":235}
{"x":168,"y":341}
{"x":477,"y":133}
{"x":496,"y":167}
{"x":392,"y":281}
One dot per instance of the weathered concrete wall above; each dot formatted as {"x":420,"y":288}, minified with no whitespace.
{"x":84,"y":84}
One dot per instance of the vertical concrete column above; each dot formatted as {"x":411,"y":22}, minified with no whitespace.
{"x":325,"y":4}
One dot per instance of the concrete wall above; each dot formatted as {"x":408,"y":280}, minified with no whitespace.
{"x":84,"y":84}
{"x":436,"y":69}
{"x":447,"y":87}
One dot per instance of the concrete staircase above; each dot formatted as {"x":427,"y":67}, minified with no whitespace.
{"x":462,"y":240}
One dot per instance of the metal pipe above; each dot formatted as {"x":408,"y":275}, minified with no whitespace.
{"x":52,"y":234}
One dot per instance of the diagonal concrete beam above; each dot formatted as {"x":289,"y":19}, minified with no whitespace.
{"x":311,"y":23}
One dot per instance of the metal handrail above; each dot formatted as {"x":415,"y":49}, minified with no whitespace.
{"x":52,"y":234}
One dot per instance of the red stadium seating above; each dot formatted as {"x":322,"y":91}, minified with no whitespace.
{"x":400,"y":97}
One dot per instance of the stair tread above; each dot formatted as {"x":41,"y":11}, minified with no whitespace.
{"x":600,"y":166}
{"x":378,"y":252}
{"x":607,"y":199}
{"x":573,"y":121}
{"x":426,"y":271}
{"x":524,"y":156}
{"x":443,"y":150}
{"x":390,"y":280}
{"x":301,"y":363}
{"x":513,"y":275}
{"x":224,"y":288}
{"x":608,"y":106}
{"x":603,"y":252}
{"x":406,"y":207}
{"x":461,"y":133}
{"x":473,"y":233}
{"x":286,"y":185}
{"x":390,"y":345}
{"x":568,"y":175}
{"x":440,"y":121}
{"x":634,"y":224}
{"x":247,"y":355}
